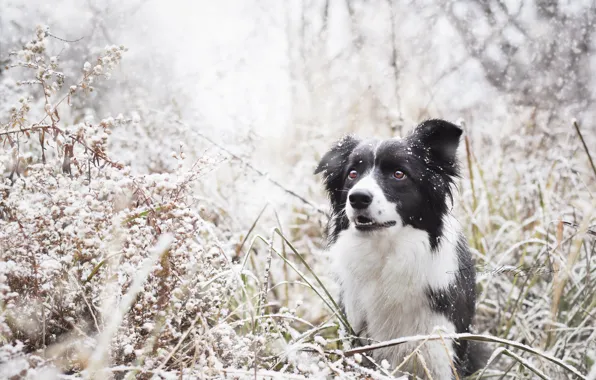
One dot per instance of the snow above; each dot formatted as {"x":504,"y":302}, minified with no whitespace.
{"x":277,"y":84}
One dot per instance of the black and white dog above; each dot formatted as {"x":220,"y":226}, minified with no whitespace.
{"x":402,"y":264}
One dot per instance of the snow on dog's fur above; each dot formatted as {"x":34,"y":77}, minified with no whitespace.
{"x":403,"y":266}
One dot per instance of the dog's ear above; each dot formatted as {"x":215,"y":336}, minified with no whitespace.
{"x":440,"y":137}
{"x":334,"y":159}
{"x":332,"y":163}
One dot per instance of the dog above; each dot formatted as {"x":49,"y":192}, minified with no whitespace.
{"x":400,"y":259}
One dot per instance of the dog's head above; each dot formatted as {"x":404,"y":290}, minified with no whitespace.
{"x":375,"y":185}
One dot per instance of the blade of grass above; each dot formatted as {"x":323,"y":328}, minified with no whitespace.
{"x":475,"y":230}
{"x":347,"y":325}
{"x":98,"y":358}
{"x":559,"y":286}
{"x":285,"y":267}
{"x":525,"y":363}
{"x":333,"y":307}
{"x":581,"y":137}
{"x":252,"y":227}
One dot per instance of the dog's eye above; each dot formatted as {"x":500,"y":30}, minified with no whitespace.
{"x":353,"y":174}
{"x":399,"y":175}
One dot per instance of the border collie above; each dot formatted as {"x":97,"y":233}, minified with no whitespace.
{"x":399,"y":256}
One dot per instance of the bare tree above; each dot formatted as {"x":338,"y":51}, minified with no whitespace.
{"x":537,"y":51}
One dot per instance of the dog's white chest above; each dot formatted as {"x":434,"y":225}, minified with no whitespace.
{"x":384,"y":279}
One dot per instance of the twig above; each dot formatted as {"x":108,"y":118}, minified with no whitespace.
{"x":581,"y":137}
{"x":35,"y":127}
{"x":465,"y":336}
{"x":256,"y":170}
{"x":62,"y":39}
{"x":575,"y":225}
{"x":32,"y":128}
{"x":177,"y":346}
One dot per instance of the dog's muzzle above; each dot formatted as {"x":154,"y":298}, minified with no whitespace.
{"x":359,"y":201}
{"x":363,"y":223}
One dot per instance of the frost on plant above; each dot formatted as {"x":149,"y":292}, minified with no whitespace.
{"x":76,"y":225}
{"x":104,"y":150}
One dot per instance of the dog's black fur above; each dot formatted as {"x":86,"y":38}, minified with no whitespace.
{"x":428,"y":155}
{"x":428,"y":158}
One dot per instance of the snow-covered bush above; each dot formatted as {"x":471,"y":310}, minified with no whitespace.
{"x":85,"y":291}
{"x":76,"y":226}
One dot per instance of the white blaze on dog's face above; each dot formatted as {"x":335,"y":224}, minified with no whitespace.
{"x":368,"y":208}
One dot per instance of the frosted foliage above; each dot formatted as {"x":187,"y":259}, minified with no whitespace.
{"x":75,"y":226}
{"x":124,"y":123}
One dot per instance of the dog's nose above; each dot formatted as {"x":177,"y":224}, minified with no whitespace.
{"x":360,"y":199}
